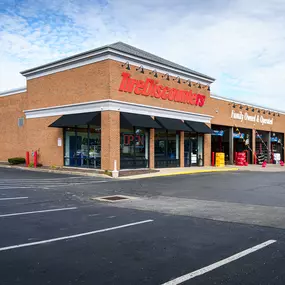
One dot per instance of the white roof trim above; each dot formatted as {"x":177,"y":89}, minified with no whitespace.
{"x":114,"y":105}
{"x":246,"y":104}
{"x":108,"y":53}
{"x":13,"y":91}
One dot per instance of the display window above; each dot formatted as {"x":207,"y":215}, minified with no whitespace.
{"x":167,"y":151}
{"x":82,"y":146}
{"x":134,"y":148}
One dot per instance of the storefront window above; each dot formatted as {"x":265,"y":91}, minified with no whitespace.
{"x":134,"y":146}
{"x":277,"y":147}
{"x":83,"y":147}
{"x":167,"y":148}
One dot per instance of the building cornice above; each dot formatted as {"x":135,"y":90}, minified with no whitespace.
{"x":114,"y":105}
{"x":111,"y":54}
{"x":13,"y":91}
{"x":233,"y":101}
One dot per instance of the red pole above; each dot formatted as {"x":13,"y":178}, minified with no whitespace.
{"x":213,"y":159}
{"x":27,"y":158}
{"x":35,"y":159}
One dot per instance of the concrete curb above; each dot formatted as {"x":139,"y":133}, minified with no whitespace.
{"x":56,"y":171}
{"x":182,"y":173}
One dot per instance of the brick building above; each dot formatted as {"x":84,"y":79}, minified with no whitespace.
{"x":119,"y":103}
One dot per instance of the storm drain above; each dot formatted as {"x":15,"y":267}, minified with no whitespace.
{"x":113,"y":198}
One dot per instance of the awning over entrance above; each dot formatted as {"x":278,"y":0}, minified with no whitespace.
{"x":173,"y":124}
{"x":199,"y":127}
{"x":129,"y":120}
{"x":93,"y":118}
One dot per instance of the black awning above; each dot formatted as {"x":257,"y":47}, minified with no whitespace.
{"x":129,"y":120}
{"x":72,"y":120}
{"x":173,"y":124}
{"x":199,"y":127}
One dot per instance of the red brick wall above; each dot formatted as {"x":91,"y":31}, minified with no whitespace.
{"x":110,"y":139}
{"x":13,"y":138}
{"x":43,"y":139}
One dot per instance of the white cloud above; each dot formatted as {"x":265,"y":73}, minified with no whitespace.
{"x":241,"y":43}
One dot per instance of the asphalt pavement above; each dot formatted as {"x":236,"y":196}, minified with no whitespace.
{"x":53,"y":232}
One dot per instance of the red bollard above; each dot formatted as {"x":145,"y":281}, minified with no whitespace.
{"x":35,"y":159}
{"x":213,"y":159}
{"x":27,"y":158}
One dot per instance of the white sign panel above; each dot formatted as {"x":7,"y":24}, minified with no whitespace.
{"x":59,"y":142}
{"x":251,"y":118}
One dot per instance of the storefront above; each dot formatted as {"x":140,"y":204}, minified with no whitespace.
{"x":117,"y":107}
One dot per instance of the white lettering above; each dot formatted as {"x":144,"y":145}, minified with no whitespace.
{"x":255,"y":118}
{"x":237,"y":116}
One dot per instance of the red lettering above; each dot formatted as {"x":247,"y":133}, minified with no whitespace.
{"x":177,"y":96}
{"x":200,"y":100}
{"x":153,"y":88}
{"x":150,"y":87}
{"x":192,"y":98}
{"x":147,"y":87}
{"x":164,"y":93}
{"x":131,"y":84}
{"x":158,"y":90}
{"x":139,"y":88}
{"x":172,"y":94}
{"x":123,"y":85}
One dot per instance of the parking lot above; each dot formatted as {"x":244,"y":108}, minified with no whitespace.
{"x":52,"y":232}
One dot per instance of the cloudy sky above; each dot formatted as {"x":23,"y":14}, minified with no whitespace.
{"x":241,"y":43}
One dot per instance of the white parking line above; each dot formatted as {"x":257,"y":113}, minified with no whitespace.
{"x":36,"y":212}
{"x":220,"y":263}
{"x":13,"y":198}
{"x":73,"y":236}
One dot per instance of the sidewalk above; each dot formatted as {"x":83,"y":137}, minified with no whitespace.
{"x":159,"y":172}
{"x":259,"y":168}
{"x":181,"y":171}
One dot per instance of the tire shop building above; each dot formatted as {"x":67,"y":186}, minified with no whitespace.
{"x":120,"y":103}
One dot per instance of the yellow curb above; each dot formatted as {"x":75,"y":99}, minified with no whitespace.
{"x":197,"y":171}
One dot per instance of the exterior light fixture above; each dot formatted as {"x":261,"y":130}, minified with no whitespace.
{"x":269,"y":113}
{"x":246,"y":108}
{"x":278,"y":115}
{"x":189,"y":82}
{"x":166,"y":75}
{"x":209,"y":89}
{"x":264,"y":112}
{"x":258,"y":111}
{"x":234,"y":105}
{"x":154,"y":72}
{"x":240,"y":107}
{"x":274,"y":114}
{"x":140,"y":68}
{"x":199,"y":85}
{"x":178,"y":79}
{"x":127,"y":65}
{"x":252,"y":109}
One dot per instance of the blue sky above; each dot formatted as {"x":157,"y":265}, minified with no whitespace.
{"x":241,"y":43}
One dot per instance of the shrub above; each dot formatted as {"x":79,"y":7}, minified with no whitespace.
{"x":16,"y":160}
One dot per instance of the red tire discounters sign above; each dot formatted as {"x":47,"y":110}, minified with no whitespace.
{"x":152,"y":88}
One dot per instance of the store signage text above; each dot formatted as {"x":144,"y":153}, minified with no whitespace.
{"x":251,"y":118}
{"x":137,"y":139}
{"x":152,"y":88}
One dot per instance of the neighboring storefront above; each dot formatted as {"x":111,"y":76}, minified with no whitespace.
{"x":117,"y":106}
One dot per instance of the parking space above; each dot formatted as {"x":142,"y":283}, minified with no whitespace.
{"x":53,"y":236}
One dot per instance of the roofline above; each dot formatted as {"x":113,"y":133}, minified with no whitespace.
{"x":13,"y":91}
{"x":90,"y":55}
{"x":246,"y":104}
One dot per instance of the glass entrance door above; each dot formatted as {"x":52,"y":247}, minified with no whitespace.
{"x":193,"y":149}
